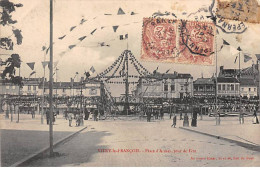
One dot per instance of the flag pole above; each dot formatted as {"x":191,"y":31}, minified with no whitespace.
{"x":51,"y":80}
{"x":216,"y":102}
{"x":43,"y":90}
{"x":240,"y":106}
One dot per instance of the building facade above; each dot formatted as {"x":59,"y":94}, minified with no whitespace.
{"x":174,"y":85}
{"x":204,"y":87}
{"x":248,"y":87}
{"x":227,"y":87}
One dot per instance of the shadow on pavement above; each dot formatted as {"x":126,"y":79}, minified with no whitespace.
{"x":77,"y":150}
{"x":18,"y":144}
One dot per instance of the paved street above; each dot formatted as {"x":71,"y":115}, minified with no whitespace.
{"x":19,"y":140}
{"x":138,"y":143}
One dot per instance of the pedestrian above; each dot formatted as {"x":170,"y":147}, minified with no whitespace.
{"x":255,"y":119}
{"x":174,"y":119}
{"x":77,"y":119}
{"x":66,"y":114}
{"x":70,"y":116}
{"x":194,"y":118}
{"x":96,"y":115}
{"x":86,"y":114}
{"x":148,"y":116}
{"x":186,"y":120}
{"x":181,"y":116}
{"x":33,"y":113}
{"x":48,"y":116}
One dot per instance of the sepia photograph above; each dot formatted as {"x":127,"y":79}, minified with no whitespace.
{"x":130,"y":83}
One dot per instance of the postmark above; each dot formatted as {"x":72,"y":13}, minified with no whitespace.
{"x":239,"y":10}
{"x":159,"y":39}
{"x":196,"y":42}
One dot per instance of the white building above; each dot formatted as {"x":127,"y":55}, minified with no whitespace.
{"x":174,"y":85}
{"x":248,"y":87}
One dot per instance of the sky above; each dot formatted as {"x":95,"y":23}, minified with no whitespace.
{"x":33,"y":20}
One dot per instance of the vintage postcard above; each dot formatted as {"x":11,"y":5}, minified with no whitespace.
{"x":130,"y":83}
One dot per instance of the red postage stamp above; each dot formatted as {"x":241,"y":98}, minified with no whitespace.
{"x":187,"y":42}
{"x":159,"y":39}
{"x":196,"y":42}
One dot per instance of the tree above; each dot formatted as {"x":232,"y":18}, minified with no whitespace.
{"x":6,"y":43}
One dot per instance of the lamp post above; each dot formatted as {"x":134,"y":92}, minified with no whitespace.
{"x":51,"y":80}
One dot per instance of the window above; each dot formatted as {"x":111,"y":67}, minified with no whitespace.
{"x":242,"y":89}
{"x":236,"y":87}
{"x":29,"y":88}
{"x":208,"y":88}
{"x":223,"y":87}
{"x":13,"y":87}
{"x":181,"y":87}
{"x":232,"y":87}
{"x":201,"y":88}
{"x":172,"y":87}
{"x":166,"y":87}
{"x":44,"y":90}
{"x":228,"y":87}
{"x":219,"y":87}
{"x":63,"y":90}
{"x":34,"y":88}
{"x":254,"y":89}
{"x":7,"y":87}
{"x":249,"y":89}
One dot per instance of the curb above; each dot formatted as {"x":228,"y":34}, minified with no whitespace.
{"x":243,"y":144}
{"x":44,"y":150}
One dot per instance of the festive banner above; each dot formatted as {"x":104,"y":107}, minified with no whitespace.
{"x":31,"y":65}
{"x":120,"y":12}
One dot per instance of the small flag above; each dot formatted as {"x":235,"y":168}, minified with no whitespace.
{"x":236,"y":59}
{"x":93,"y":31}
{"x":221,"y":47}
{"x":72,"y":28}
{"x":133,"y":13}
{"x":102,"y":27}
{"x":225,"y":42}
{"x":92,"y":69}
{"x":115,"y":28}
{"x":43,"y":48}
{"x":217,"y":31}
{"x":257,"y":56}
{"x":72,"y":46}
{"x":239,"y":49}
{"x":154,"y":72}
{"x":62,"y":37}
{"x":44,"y":63}
{"x":167,"y":71}
{"x":87,"y":74}
{"x":82,"y":21}
{"x":32,"y":73}
{"x":82,"y":38}
{"x":47,"y":50}
{"x":31,"y":65}
{"x":247,"y":58}
{"x":120,"y":12}
{"x":123,"y":37}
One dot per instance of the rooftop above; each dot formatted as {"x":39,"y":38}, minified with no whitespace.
{"x":227,"y":80}
{"x":247,"y":82}
{"x":204,"y":81}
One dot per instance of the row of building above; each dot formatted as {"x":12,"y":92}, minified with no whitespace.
{"x":229,"y":83}
{"x":171,"y":85}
